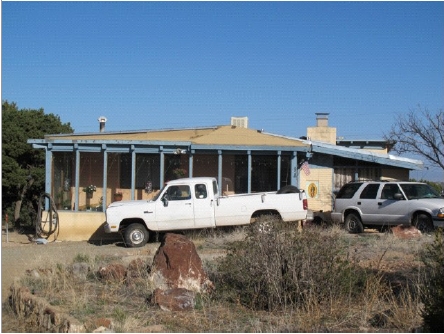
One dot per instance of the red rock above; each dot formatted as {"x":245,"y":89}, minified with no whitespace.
{"x":113,"y":272}
{"x":177,"y":299}
{"x":406,"y":232}
{"x":176,"y":264}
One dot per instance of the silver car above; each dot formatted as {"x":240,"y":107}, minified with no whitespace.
{"x":379,"y":204}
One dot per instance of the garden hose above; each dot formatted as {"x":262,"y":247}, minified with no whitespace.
{"x":48,"y":225}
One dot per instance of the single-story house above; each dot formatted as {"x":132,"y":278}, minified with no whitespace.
{"x":87,"y":171}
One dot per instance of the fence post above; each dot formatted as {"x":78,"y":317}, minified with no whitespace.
{"x":7,"y":227}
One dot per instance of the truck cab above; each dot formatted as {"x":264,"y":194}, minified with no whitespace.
{"x":187,"y":203}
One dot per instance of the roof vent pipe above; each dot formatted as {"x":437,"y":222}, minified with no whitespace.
{"x":102,"y":120}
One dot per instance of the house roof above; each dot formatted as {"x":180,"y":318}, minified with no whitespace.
{"x":366,"y":155}
{"x":218,"y":135}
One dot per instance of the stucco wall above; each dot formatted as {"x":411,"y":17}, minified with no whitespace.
{"x":395,"y":174}
{"x":82,"y":226}
{"x":318,"y":186}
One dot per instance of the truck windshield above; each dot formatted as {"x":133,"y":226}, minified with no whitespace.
{"x":417,"y":191}
{"x":158,"y":194}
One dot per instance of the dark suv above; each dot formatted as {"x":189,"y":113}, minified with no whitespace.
{"x":379,"y":204}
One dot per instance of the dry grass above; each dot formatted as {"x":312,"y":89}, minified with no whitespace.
{"x":387,"y":301}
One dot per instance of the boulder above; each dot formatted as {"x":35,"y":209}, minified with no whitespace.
{"x":115,"y":272}
{"x":176,"y":264}
{"x":137,"y":272}
{"x":80,"y":269}
{"x":176,"y":299}
{"x":406,"y":232}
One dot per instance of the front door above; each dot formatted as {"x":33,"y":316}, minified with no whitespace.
{"x":391,"y":210}
{"x":175,"y":210}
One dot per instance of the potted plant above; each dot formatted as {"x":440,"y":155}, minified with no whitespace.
{"x":179,"y":173}
{"x":90,"y":190}
{"x":67,"y":204}
{"x":118,"y":196}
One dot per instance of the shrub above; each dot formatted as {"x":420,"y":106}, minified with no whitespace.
{"x":276,"y":267}
{"x":433,"y":294}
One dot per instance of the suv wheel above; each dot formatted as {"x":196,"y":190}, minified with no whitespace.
{"x":423,"y":223}
{"x":353,"y":223}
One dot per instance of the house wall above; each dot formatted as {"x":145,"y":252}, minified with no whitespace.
{"x":395,"y":174}
{"x":318,"y":186}
{"x":322,"y":134}
{"x":82,"y":226}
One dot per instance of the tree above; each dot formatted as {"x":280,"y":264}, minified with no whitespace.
{"x":420,"y":132}
{"x":23,"y":168}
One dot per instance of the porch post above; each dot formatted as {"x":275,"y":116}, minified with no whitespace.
{"x":279,"y":162}
{"x":190,"y":163}
{"x":105,"y":176}
{"x":133,"y":171}
{"x":219,"y":171}
{"x":77,"y":180}
{"x":162,"y":167}
{"x":294,"y":167}
{"x":249,"y":171}
{"x":48,"y":173}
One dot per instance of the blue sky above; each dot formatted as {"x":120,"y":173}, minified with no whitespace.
{"x":154,"y":65}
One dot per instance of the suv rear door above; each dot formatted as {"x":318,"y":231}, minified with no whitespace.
{"x":366,"y":202}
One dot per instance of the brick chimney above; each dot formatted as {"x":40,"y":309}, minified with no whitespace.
{"x":322,"y":132}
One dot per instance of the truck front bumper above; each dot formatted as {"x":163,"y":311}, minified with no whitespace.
{"x":108,"y":228}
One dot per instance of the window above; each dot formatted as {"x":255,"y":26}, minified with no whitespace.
{"x":389,"y":191}
{"x":370,"y":191}
{"x":200,"y":190}
{"x":348,"y":190}
{"x":178,"y":193}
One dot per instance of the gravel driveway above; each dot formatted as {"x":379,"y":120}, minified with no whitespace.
{"x":19,"y":254}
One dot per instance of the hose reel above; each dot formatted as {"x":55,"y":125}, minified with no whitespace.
{"x":48,"y":225}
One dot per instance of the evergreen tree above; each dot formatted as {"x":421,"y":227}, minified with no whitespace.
{"x":23,"y":168}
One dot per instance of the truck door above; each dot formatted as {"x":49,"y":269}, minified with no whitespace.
{"x":174,"y":211}
{"x":204,"y":206}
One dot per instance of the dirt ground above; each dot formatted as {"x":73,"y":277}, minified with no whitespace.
{"x":395,"y":257}
{"x":19,"y":254}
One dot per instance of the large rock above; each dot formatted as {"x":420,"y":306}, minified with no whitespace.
{"x":176,"y":264}
{"x":114,"y":272}
{"x":177,"y":299}
{"x":406,"y":232}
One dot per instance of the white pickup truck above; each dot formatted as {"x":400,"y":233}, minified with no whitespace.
{"x":194,"y":203}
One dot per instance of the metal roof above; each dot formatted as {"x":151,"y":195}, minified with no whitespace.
{"x":225,"y":137}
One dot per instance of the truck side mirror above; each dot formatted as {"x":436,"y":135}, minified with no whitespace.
{"x":165,"y":201}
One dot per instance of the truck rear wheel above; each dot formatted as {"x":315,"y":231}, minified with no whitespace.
{"x":136,"y":235}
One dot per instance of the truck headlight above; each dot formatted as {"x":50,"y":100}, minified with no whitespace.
{"x":441,"y":213}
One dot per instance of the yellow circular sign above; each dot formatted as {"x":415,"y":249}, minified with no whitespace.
{"x":312,"y":190}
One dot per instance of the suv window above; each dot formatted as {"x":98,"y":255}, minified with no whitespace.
{"x":389,"y":191}
{"x":348,"y":190}
{"x":370,"y":191}
{"x":415,"y":191}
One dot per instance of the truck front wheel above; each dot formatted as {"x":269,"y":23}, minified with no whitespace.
{"x":135,"y":235}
